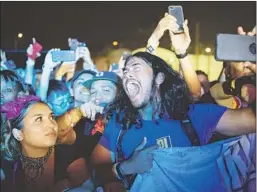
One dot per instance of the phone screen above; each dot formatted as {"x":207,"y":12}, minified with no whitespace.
{"x":64,"y":55}
{"x":177,"y":12}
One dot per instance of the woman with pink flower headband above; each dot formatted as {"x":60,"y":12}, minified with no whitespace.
{"x":29,"y":136}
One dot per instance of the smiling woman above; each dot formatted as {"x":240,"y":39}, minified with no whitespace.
{"x":29,"y":136}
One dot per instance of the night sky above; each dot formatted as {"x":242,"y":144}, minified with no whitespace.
{"x":99,"y":23}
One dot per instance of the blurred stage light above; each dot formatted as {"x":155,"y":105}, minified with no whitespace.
{"x":115,"y":43}
{"x":208,"y":50}
{"x":20,"y":35}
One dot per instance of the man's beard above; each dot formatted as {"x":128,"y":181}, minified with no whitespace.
{"x":145,"y":101}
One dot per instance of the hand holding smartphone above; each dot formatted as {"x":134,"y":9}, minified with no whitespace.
{"x":36,"y":49}
{"x":231,"y":47}
{"x":74,"y":44}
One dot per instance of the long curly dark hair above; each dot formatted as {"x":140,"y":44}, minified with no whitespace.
{"x":174,"y":97}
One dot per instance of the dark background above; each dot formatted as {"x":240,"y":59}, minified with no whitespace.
{"x":100,"y":23}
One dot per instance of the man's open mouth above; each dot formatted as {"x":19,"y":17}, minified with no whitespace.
{"x":133,"y":88}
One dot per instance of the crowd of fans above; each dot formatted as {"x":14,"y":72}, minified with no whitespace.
{"x":132,"y":126}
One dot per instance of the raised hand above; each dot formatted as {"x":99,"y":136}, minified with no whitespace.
{"x":167,"y":22}
{"x":84,"y":53}
{"x":250,"y":66}
{"x":121,"y":64}
{"x":180,"y":42}
{"x":3,"y":59}
{"x":49,"y":63}
{"x":66,"y":68}
{"x":33,"y":51}
{"x":241,"y":31}
{"x":89,"y":110}
{"x":3,"y":56}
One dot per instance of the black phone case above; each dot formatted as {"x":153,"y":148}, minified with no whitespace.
{"x":231,"y":47}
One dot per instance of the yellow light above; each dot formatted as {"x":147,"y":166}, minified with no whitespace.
{"x":115,"y":43}
{"x":20,"y":35}
{"x":208,"y":50}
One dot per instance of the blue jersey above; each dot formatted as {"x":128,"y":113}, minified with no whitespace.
{"x":224,"y":166}
{"x":166,"y":133}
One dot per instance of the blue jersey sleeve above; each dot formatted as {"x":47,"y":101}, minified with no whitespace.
{"x":110,"y":135}
{"x":205,"y":118}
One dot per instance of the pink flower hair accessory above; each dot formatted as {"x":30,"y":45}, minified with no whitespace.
{"x":13,"y":108}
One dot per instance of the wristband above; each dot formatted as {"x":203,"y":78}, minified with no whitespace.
{"x":152,"y":45}
{"x":153,"y":42}
{"x":150,"y":49}
{"x":181,"y":56}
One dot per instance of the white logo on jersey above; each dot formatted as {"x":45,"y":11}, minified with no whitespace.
{"x":99,"y":74}
{"x":164,"y":142}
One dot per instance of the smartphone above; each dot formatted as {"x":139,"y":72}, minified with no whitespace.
{"x":63,"y":56}
{"x":177,"y":12}
{"x":74,"y":44}
{"x":37,"y":48}
{"x":231,"y":47}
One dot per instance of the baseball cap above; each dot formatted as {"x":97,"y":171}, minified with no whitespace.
{"x":78,"y":73}
{"x":104,"y":75}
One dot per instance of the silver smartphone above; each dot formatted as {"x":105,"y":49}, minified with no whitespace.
{"x":232,"y":47}
{"x":177,"y":12}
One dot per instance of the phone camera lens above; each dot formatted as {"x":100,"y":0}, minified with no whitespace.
{"x":252,"y":48}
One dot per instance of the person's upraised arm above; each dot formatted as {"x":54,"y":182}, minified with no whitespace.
{"x":180,"y":44}
{"x":33,"y":52}
{"x":45,"y":77}
{"x":164,"y":24}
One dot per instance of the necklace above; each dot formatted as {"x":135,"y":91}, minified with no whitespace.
{"x":34,"y":167}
